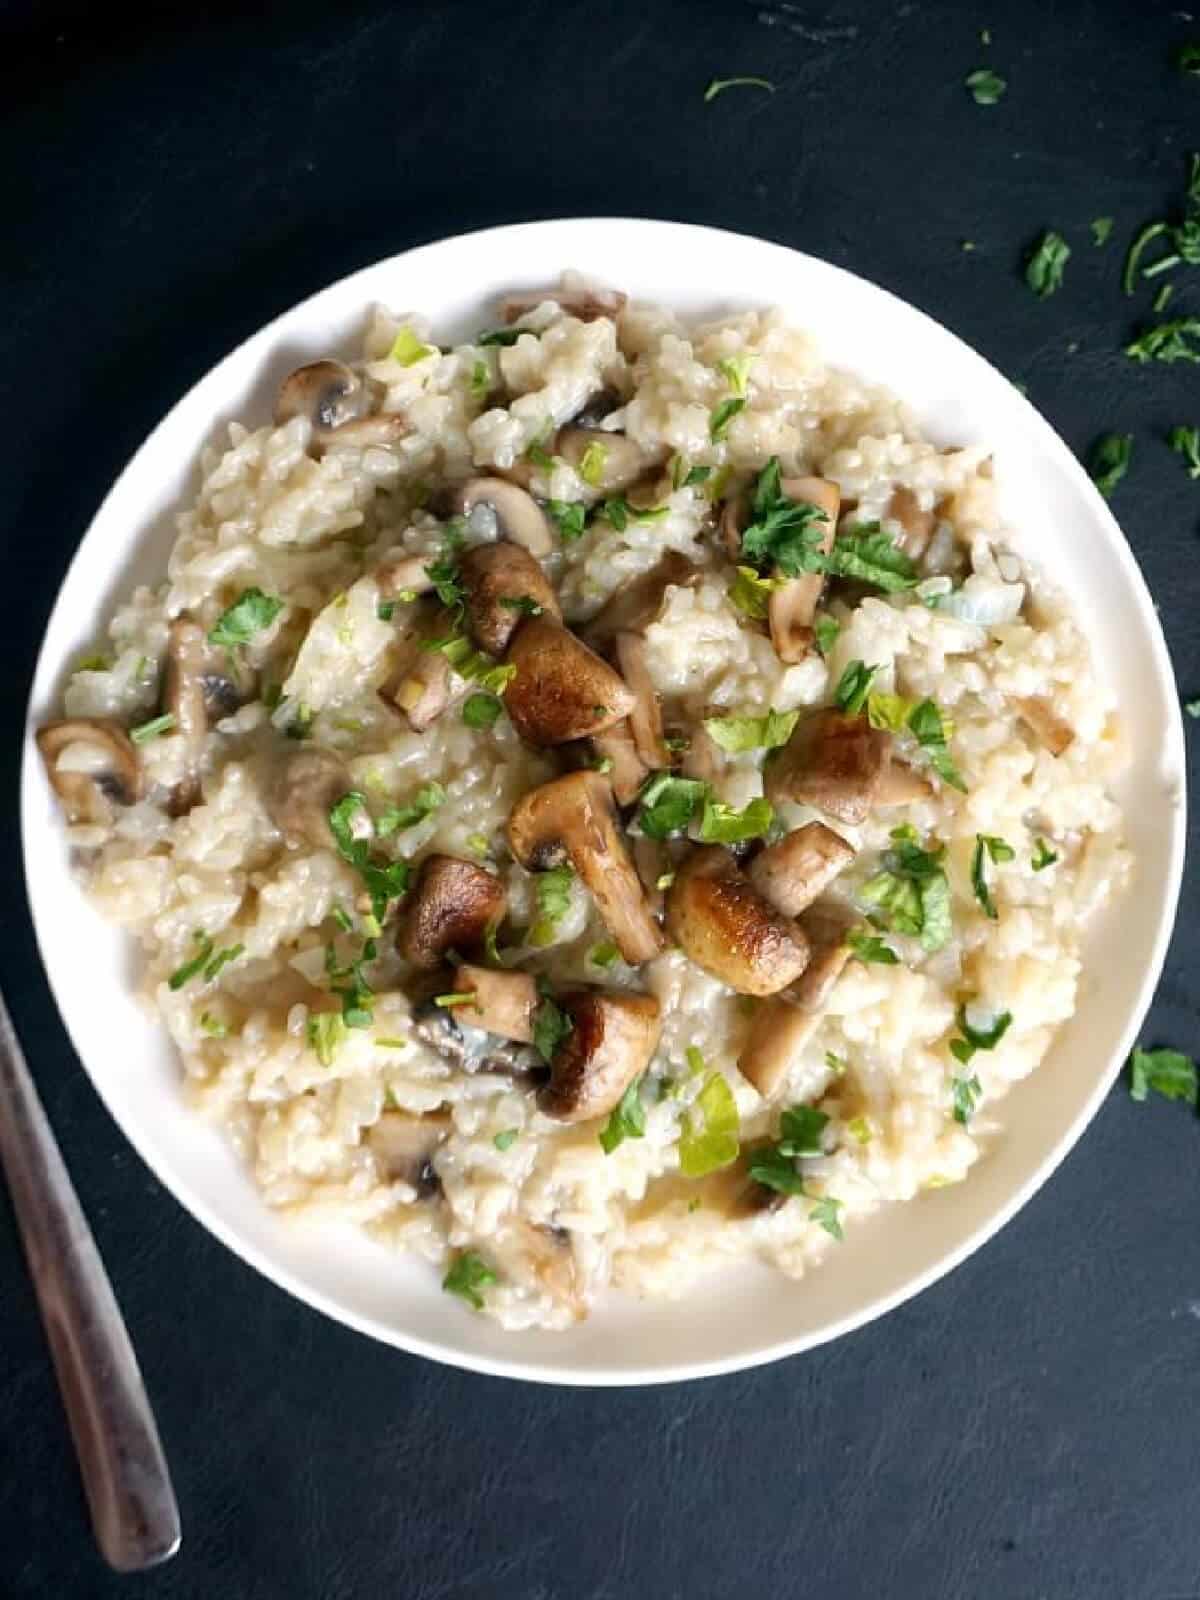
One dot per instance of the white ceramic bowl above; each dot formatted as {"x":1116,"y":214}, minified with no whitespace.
{"x":734,"y":1320}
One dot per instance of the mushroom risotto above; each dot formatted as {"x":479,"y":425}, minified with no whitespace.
{"x":595,"y":803}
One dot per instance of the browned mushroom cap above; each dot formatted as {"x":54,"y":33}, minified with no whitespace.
{"x":791,"y":610}
{"x":574,"y":818}
{"x":612,"y":1039}
{"x":504,"y":1001}
{"x":616,"y":461}
{"x":792,"y":873}
{"x":634,"y":606}
{"x":307,"y":785}
{"x":783,"y":1025}
{"x":93,"y":765}
{"x":916,"y":523}
{"x":450,"y":908}
{"x":562,"y":690}
{"x":586,"y":304}
{"x":645,"y":720}
{"x":725,"y":926}
{"x":1045,"y":724}
{"x":626,"y":771}
{"x":198,"y":689}
{"x":503,"y":584}
{"x":403,"y":1146}
{"x":832,"y":761}
{"x":519,"y":518}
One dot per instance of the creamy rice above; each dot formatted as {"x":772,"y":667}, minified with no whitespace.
{"x":554,"y":1218}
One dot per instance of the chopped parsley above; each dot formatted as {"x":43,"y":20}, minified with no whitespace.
{"x":570,"y":517}
{"x":964,"y":1093}
{"x":481,"y":710}
{"x":471,"y":664}
{"x":1109,"y":461}
{"x":1187,"y":59}
{"x":249,"y":614}
{"x":987,"y":844}
{"x":592,"y":463}
{"x":325,"y":1032}
{"x":552,"y":890}
{"x":736,"y":371}
{"x":1101,"y":228}
{"x":385,"y":610}
{"x":751,"y":595}
{"x":827,"y":1214}
{"x":503,"y":336}
{"x":685,"y":476}
{"x":460,"y":997}
{"x":603,"y":955}
{"x":708,"y":1138}
{"x":618,"y":513}
{"x":1167,"y":341}
{"x":506,"y":1140}
{"x":213,"y":1026}
{"x":668,"y":804}
{"x":719,"y":85}
{"x":468,"y":1274}
{"x":1043,"y":856}
{"x":926,"y":726}
{"x":838,"y":1065}
{"x":1186,"y":442}
{"x":447,"y":585}
{"x":551,"y":1025}
{"x":352,"y":829}
{"x":782,"y":532}
{"x":481,"y":380}
{"x":853,"y":687}
{"x":1167,"y":1072}
{"x":825,"y":632}
{"x":1047,"y":260}
{"x":973,"y":1039}
{"x":723,"y":415}
{"x":889,"y":712}
{"x":204,"y":961}
{"x":153,"y":729}
{"x":722,"y":824}
{"x":407,"y":349}
{"x":911,"y":894}
{"x":870,"y":948}
{"x":423,"y":804}
{"x":627,"y":1120}
{"x":986,"y":87}
{"x":739,"y":734}
{"x":870,"y":555}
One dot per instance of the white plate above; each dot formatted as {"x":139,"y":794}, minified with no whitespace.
{"x":1059,"y":516}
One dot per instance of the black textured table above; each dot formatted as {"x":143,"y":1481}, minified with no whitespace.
{"x":1027,"y":1428}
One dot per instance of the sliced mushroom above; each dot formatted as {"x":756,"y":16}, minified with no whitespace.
{"x":645,"y":720}
{"x":561,"y":690}
{"x":382,"y":430}
{"x":403,"y":1146}
{"x":93,"y":765}
{"x":450,"y":908}
{"x":424,"y":685}
{"x":588,"y":305}
{"x":901,"y":785}
{"x":916,"y":523}
{"x":574,"y":818}
{"x":832,"y":761}
{"x":453,"y":1033}
{"x":1047,"y":727}
{"x":504,"y":1001}
{"x":792,"y":873}
{"x":612,"y":1038}
{"x":519,"y":518}
{"x":725,"y":926}
{"x":627,"y":772}
{"x":544,"y":1254}
{"x":338,"y":404}
{"x":634,"y":606}
{"x":198,"y":689}
{"x":619,"y":460}
{"x":500,"y":579}
{"x":792,"y":609}
{"x":783,"y":1025}
{"x":307,"y":785}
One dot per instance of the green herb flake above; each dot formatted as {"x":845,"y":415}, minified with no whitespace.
{"x":213,"y":967}
{"x":723,"y":824}
{"x":720,"y":85}
{"x":709,"y":1137}
{"x":468,"y":1274}
{"x":552,"y":890}
{"x":1109,"y":461}
{"x":423,"y":804}
{"x":1168,"y":1072}
{"x":999,"y":850}
{"x":965,"y":1092}
{"x":551,"y":1025}
{"x":973,"y":1039}
{"x":189,"y":969}
{"x":604,"y":955}
{"x":213,"y":1026}
{"x":860,"y":1130}
{"x":769,"y":1166}
{"x":736,"y":371}
{"x":506,"y":1140}
{"x":325,"y":1033}
{"x":668,"y":804}
{"x":853,"y":687}
{"x":592,"y":463}
{"x":739,"y":734}
{"x":870,"y":948}
{"x":926,"y":726}
{"x":627,"y":1120}
{"x":386,"y":610}
{"x":784,"y":533}
{"x":751,"y":595}
{"x":869,"y":555}
{"x":1101,"y":229}
{"x":911,"y":895}
{"x":503,"y":336}
{"x":723,"y":415}
{"x":888,"y":712}
{"x":827,"y":1214}
{"x":825,"y":632}
{"x":153,"y":729}
{"x":249,"y":614}
{"x":570,"y":517}
{"x":986,"y":87}
{"x":1047,"y":261}
{"x":407,"y":349}
{"x":1167,"y":342}
{"x":838,"y":1065}
{"x":481,"y":710}
{"x":95,"y":663}
{"x":1187,"y":59}
{"x":391,"y":1043}
{"x":1043,"y":856}
{"x":1186,"y":442}
{"x":619,"y":513}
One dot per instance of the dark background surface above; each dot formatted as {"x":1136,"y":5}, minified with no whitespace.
{"x":1028,"y":1427}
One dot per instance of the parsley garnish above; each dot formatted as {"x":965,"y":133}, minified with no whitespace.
{"x":853,"y":687}
{"x":685,"y":476}
{"x":738,"y":734}
{"x":627,"y":1120}
{"x":213,"y":1026}
{"x":974,"y":1039}
{"x":965,"y":1092}
{"x":719,"y":85}
{"x":1187,"y":59}
{"x":825,"y":631}
{"x":1109,"y":461}
{"x":249,"y":614}
{"x":668,"y":804}
{"x":986,"y":87}
{"x":153,"y":728}
{"x":1167,"y":1072}
{"x":423,"y":804}
{"x":722,"y":824}
{"x":481,"y":710}
{"x":751,"y":595}
{"x":352,"y":829}
{"x":926,"y":725}
{"x":551,"y":1025}
{"x":571,"y":517}
{"x":385,"y":610}
{"x":1044,"y":269}
{"x":1043,"y":856}
{"x":1101,"y":228}
{"x":987,"y":844}
{"x":506,"y":1140}
{"x":503,"y":336}
{"x":1167,"y":341}
{"x":709,"y":1136}
{"x":736,"y":370}
{"x":870,"y":555}
{"x":869,"y":947}
{"x":619,"y":513}
{"x":592,"y":463}
{"x":443,"y":574}
{"x":468,"y":1274}
{"x":481,"y":380}
{"x":782,"y":532}
{"x":552,"y":890}
{"x":723,"y":415}
{"x":603,"y":955}
{"x":324,"y":1033}
{"x":1186,"y":442}
{"x":827,"y":1213}
{"x":203,"y":961}
{"x":911,"y":894}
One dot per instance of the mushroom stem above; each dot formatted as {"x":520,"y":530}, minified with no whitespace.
{"x":792,"y":873}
